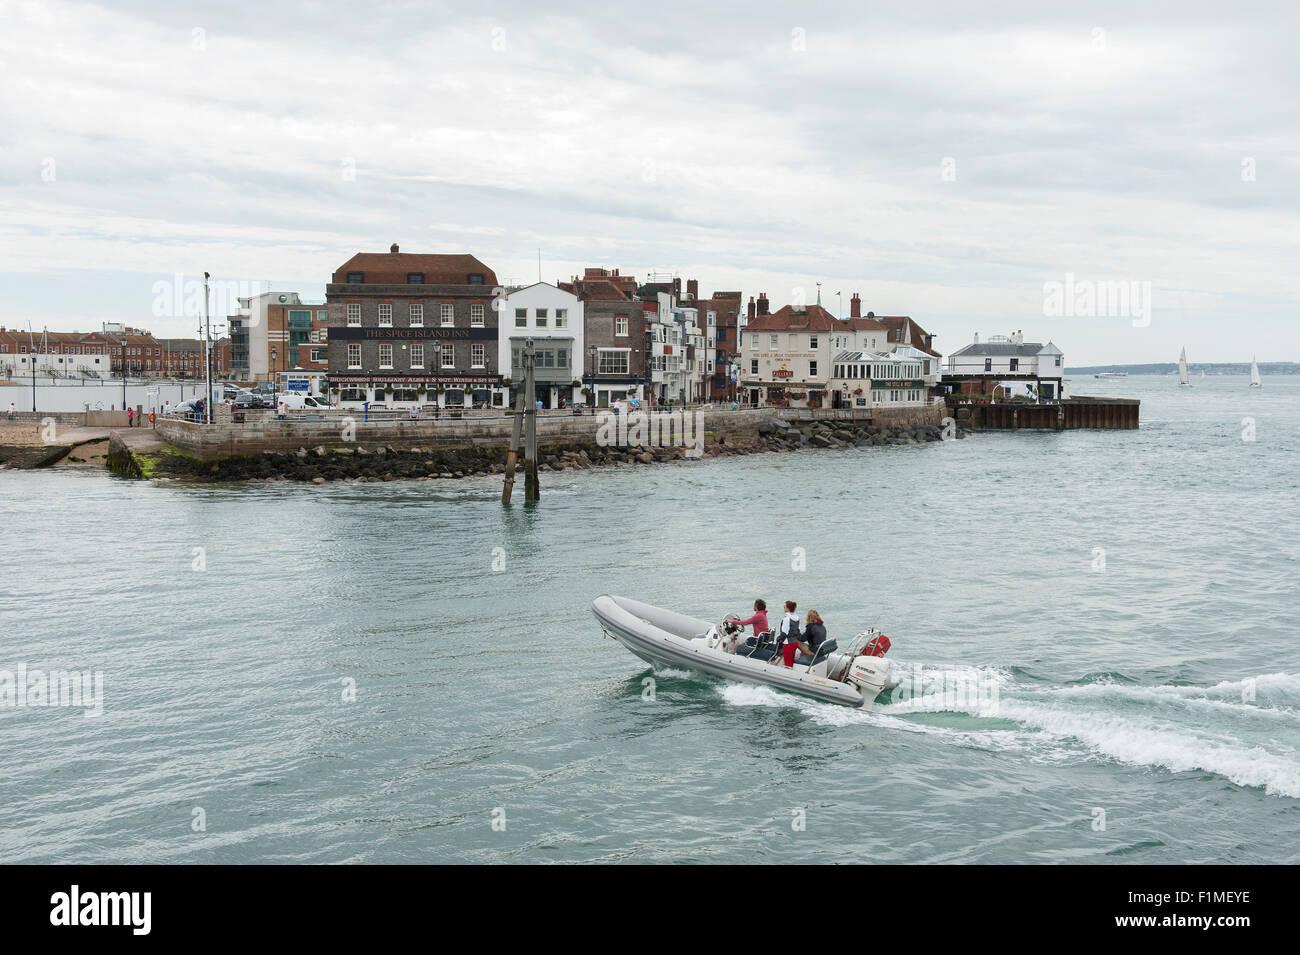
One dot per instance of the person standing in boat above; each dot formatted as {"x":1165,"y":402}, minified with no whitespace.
{"x":759,"y":619}
{"x":790,"y":635}
{"x":814,"y":633}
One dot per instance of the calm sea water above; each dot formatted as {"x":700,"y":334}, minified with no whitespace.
{"x":1130,"y":595}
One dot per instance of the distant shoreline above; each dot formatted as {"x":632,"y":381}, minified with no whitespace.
{"x":1209,"y":367}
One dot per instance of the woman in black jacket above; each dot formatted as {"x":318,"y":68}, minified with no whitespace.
{"x":814,"y":633}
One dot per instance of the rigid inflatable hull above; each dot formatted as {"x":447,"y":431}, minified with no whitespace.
{"x":664,"y":637}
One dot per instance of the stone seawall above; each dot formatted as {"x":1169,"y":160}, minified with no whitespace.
{"x":264,"y":433}
{"x":68,"y":419}
{"x":356,"y":462}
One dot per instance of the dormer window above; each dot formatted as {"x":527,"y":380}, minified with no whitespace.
{"x":474,"y":278}
{"x":414,"y":278}
{"x":356,"y":278}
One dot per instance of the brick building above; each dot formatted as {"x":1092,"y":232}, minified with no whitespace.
{"x":182,"y":357}
{"x":614,"y":326}
{"x":403,"y":325}
{"x":135,"y":348}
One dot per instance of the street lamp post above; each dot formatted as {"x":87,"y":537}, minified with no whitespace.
{"x":592,"y":352}
{"x":207,"y":345}
{"x":435,"y":354}
{"x":31,"y":354}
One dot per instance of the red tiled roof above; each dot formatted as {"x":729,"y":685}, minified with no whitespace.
{"x":391,"y":268}
{"x":812,"y":319}
{"x":896,"y":324}
{"x":865,"y":325}
{"x":600,"y":290}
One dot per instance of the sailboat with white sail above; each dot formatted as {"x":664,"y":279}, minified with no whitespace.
{"x":1182,"y":370}
{"x":1254,"y":374}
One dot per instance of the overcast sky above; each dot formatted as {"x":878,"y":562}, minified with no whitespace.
{"x":944,"y":160}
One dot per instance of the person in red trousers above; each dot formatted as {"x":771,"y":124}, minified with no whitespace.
{"x":790,"y":635}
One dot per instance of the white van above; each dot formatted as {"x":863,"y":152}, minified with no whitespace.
{"x":297,"y":401}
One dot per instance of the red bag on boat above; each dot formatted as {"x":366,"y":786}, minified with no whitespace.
{"x":876,"y":646}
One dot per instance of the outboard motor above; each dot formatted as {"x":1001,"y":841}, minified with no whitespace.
{"x":869,"y":671}
{"x":870,"y":675}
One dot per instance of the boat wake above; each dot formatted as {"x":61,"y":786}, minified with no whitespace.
{"x":1246,"y":731}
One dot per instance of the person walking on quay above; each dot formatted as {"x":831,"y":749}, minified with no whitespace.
{"x":130,"y":417}
{"x":11,"y":411}
{"x":415,"y":413}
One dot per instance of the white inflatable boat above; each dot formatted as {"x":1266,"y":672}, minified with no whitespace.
{"x":851,"y":676}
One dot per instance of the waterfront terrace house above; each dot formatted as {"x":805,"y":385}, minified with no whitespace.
{"x":410,"y":329}
{"x":677,"y":351}
{"x":786,"y":355}
{"x":553,"y":319}
{"x":615,"y":326}
{"x":1008,"y":365}
{"x":719,"y":318}
{"x":899,"y":335}
{"x":865,"y":380}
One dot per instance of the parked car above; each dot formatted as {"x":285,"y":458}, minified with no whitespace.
{"x":250,"y":401}
{"x":186,"y":409}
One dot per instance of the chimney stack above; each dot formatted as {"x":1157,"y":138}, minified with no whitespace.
{"x":693,"y":289}
{"x":393,"y":248}
{"x":762,"y":303}
{"x":855,"y":306}
{"x":751,"y":308}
